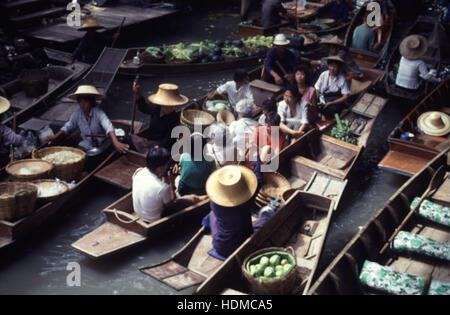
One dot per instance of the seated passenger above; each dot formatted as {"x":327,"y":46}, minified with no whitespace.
{"x":293,"y":112}
{"x":363,"y":36}
{"x":153,"y":188}
{"x":332,"y":89}
{"x":280,"y":62}
{"x":220,"y":147}
{"x":307,"y":91}
{"x":412,"y":69}
{"x":90,"y":119}
{"x":267,"y":106}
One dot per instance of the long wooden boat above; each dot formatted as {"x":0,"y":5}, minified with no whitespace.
{"x":256,"y":28}
{"x":343,"y":275}
{"x":409,"y":156}
{"x":366,"y":58}
{"x":59,"y":79}
{"x":156,"y":69}
{"x":192,"y":265}
{"x":430,"y":28}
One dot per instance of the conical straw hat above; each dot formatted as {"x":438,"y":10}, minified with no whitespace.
{"x":4,"y":105}
{"x":87,"y":90}
{"x":231,"y":185}
{"x":434,"y":123}
{"x":90,"y":23}
{"x":414,"y":47}
{"x":333,"y":41}
{"x":168,"y":95}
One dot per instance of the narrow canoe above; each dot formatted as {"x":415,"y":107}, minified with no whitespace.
{"x":407,"y":157}
{"x":343,"y":275}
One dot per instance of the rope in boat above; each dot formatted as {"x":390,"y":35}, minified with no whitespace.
{"x":122,"y":220}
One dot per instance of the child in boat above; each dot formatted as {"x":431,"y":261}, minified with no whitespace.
{"x":153,"y":188}
{"x":235,"y":90}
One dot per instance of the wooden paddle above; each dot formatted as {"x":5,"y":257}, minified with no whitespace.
{"x":11,"y":149}
{"x":435,"y":181}
{"x":118,"y":31}
{"x":133,"y":112}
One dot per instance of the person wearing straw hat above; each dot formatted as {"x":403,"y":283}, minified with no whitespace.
{"x":434,"y":123}
{"x":337,"y":48}
{"x":332,"y":88}
{"x":231,"y":190}
{"x":8,"y":137}
{"x":92,"y":44}
{"x":280,"y":62}
{"x":90,"y":119}
{"x":412,"y":69}
{"x":163,"y":118}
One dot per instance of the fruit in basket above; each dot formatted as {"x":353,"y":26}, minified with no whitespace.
{"x":284,"y":261}
{"x":264,"y":261}
{"x":269,"y":272}
{"x":275,"y":260}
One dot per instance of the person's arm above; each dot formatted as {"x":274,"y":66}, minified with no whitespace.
{"x":425,"y":74}
{"x":77,"y":52}
{"x":66,"y":129}
{"x":9,"y":137}
{"x":270,"y":59}
{"x":142,"y":104}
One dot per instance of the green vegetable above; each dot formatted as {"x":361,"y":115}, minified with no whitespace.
{"x":269,"y":272}
{"x":279,"y":268}
{"x":287,"y":268}
{"x":279,"y":273}
{"x":284,"y":261}
{"x":253,"y":270}
{"x":264,"y":261}
{"x":154,"y":51}
{"x":275,"y":260}
{"x":343,"y":131}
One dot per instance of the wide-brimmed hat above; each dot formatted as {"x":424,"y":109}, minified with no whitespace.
{"x":413,"y":47}
{"x":434,"y":123}
{"x":4,"y":105}
{"x":231,"y":185}
{"x":225,"y":116}
{"x":357,"y":86}
{"x":332,"y":41}
{"x":168,"y":95}
{"x":87,"y":90}
{"x":90,"y":23}
{"x":280,"y":40}
{"x":335,"y":58}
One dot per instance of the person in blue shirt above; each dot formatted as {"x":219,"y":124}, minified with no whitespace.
{"x":336,"y":9}
{"x":278,"y":56}
{"x":447,"y":16}
{"x":363,"y":36}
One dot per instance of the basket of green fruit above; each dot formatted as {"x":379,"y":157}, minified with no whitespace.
{"x":271,"y":270}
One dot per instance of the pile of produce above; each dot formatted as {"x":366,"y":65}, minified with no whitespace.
{"x":270,"y":266}
{"x":62,"y":157}
{"x":217,"y":105}
{"x":259,"y":41}
{"x":343,"y":131}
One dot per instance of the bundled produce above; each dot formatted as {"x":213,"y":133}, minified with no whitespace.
{"x":343,"y":131}
{"x":154,"y":52}
{"x":270,"y":266}
{"x":259,"y":41}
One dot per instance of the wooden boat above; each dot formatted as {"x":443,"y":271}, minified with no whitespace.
{"x":409,"y":156}
{"x":255,"y":28}
{"x":155,"y":69}
{"x":366,"y":58}
{"x":343,"y":274}
{"x":430,"y":28}
{"x":193,"y":265}
{"x":319,"y":164}
{"x":59,"y":79}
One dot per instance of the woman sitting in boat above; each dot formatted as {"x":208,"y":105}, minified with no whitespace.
{"x":153,"y":188}
{"x":90,"y":120}
{"x":194,"y":168}
{"x":303,"y":80}
{"x":332,"y":89}
{"x":267,"y":106}
{"x":280,"y":62}
{"x":293,"y":112}
{"x":163,"y":117}
{"x":337,"y":48}
{"x":412,"y":69}
{"x":235,"y":90}
{"x":231,"y":190}
{"x":8,"y":137}
{"x":220,"y":148}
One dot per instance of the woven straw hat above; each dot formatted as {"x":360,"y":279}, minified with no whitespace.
{"x":231,"y":185}
{"x":280,"y":40}
{"x":434,"y":123}
{"x":335,"y":58}
{"x":333,"y":41}
{"x":225,"y":116}
{"x":357,"y":86}
{"x":90,"y":23}
{"x":4,"y":105}
{"x":414,"y":47}
{"x":274,"y":184}
{"x":87,"y":90}
{"x":168,"y":95}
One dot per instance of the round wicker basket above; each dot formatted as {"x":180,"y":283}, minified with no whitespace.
{"x":274,"y":184}
{"x":277,"y":286}
{"x":17,"y":200}
{"x":65,"y":171}
{"x":35,"y":169}
{"x":46,"y":183}
{"x":192,"y":117}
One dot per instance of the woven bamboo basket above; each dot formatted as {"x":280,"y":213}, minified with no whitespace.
{"x":17,"y":200}
{"x":38,"y":169}
{"x":274,"y":184}
{"x":64,"y":171}
{"x":189,"y":116}
{"x":50,"y":182}
{"x":276,"y":286}
{"x":225,"y":116}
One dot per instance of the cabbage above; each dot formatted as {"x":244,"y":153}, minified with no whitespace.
{"x":220,"y":106}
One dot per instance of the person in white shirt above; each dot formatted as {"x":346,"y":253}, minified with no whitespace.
{"x":221,"y":148}
{"x":332,"y":88}
{"x":235,"y":90}
{"x":293,"y":112}
{"x":153,"y":190}
{"x":412,"y":69}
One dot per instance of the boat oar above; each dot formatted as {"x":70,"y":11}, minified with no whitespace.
{"x":436,"y":180}
{"x":11,"y":149}
{"x":118,"y":31}
{"x":281,"y":67}
{"x":133,"y":111}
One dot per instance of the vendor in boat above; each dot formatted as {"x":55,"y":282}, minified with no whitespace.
{"x":272,"y":13}
{"x":269,"y":105}
{"x":412,"y":69}
{"x":337,"y":48}
{"x":235,"y":90}
{"x":8,"y":137}
{"x":153,"y":188}
{"x":363,"y":36}
{"x":336,"y":9}
{"x":220,"y":146}
{"x":92,"y":43}
{"x":90,"y":120}
{"x":280,"y":62}
{"x":163,"y":117}
{"x":332,"y":89}
{"x":231,"y":190}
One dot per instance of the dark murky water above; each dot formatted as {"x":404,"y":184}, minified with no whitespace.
{"x":38,"y":265}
